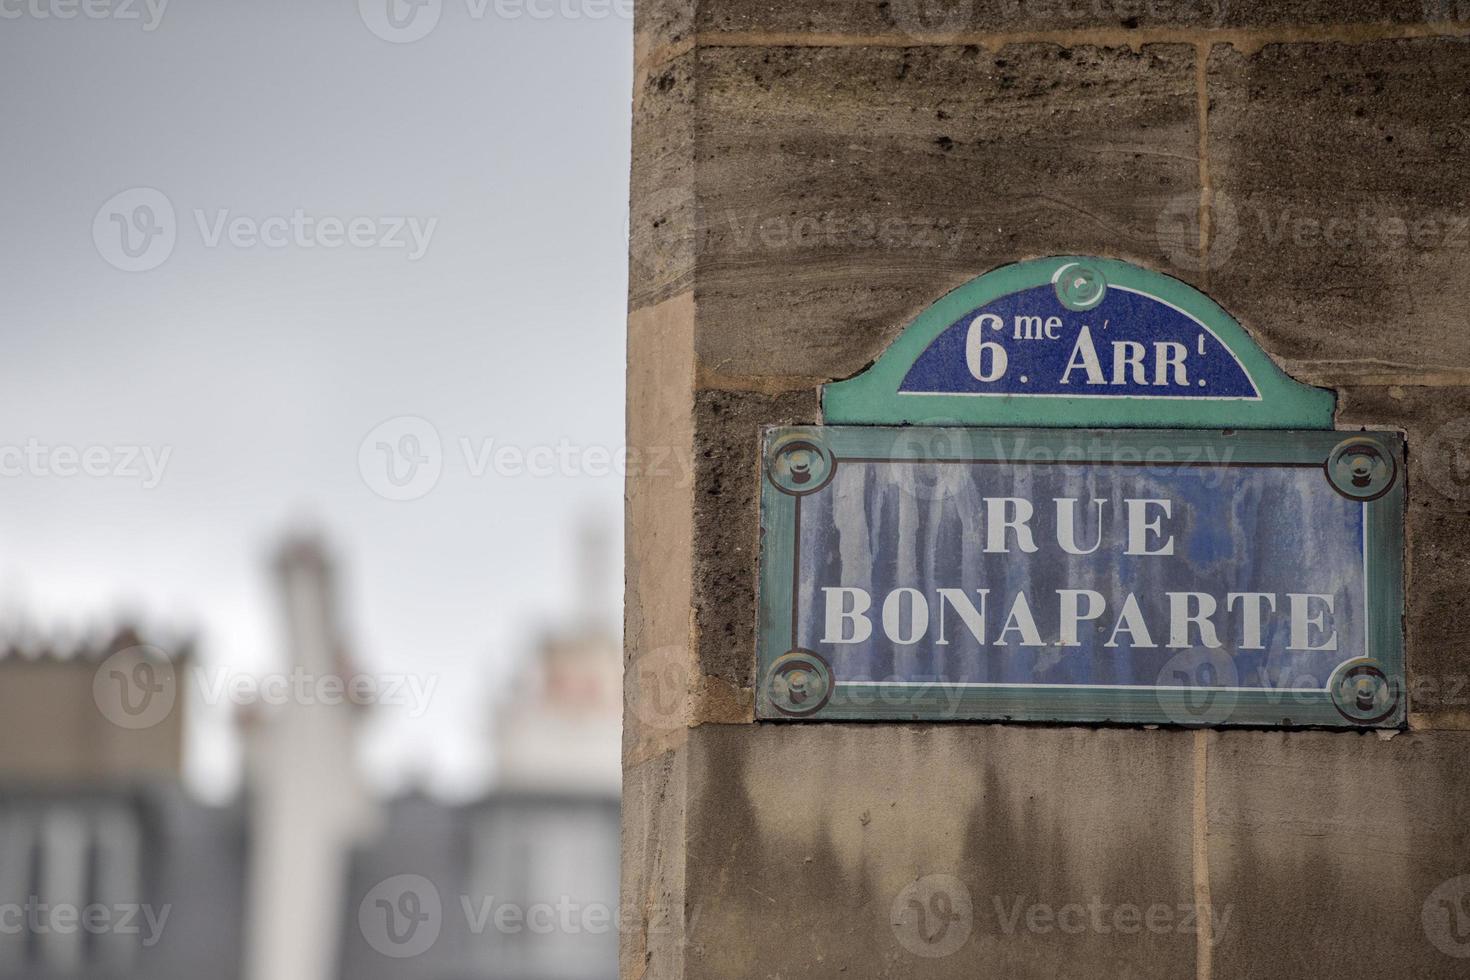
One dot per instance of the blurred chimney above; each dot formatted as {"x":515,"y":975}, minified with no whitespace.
{"x":308,"y":803}
{"x":594,"y":565}
{"x":309,"y":591}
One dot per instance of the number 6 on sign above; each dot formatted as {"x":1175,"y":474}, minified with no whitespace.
{"x":976,"y":347}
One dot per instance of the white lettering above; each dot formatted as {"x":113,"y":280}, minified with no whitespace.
{"x":918,"y":616}
{"x":1139,"y":527}
{"x":839,"y":613}
{"x":1302,"y":622}
{"x":996,"y":524}
{"x":959,"y":601}
{"x":1084,"y":356}
{"x":1180,"y":619}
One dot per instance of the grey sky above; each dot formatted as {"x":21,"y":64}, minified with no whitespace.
{"x":261,"y":370}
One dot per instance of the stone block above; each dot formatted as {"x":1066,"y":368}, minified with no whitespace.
{"x":651,"y":920}
{"x":845,"y":189}
{"x":809,"y":846}
{"x":1342,"y":228}
{"x":663,"y":22}
{"x":1115,"y":19}
{"x":661,"y":216}
{"x":1327,"y":848}
{"x":659,"y":657}
{"x":1259,"y":14}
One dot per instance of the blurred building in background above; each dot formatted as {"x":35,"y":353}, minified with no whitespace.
{"x":524,"y":879}
{"x":95,"y":710}
{"x":559,"y":727}
{"x":108,"y":869}
{"x":308,"y":876}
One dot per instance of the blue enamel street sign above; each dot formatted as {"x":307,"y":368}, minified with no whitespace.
{"x":1123,"y":343}
{"x":1077,"y":342}
{"x":1185,"y":577}
{"x":1180,"y":537}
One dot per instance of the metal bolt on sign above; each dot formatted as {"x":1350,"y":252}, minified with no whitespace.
{"x":799,"y":683}
{"x":1361,"y":469}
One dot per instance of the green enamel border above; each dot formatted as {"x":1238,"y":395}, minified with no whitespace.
{"x":910,"y":702}
{"x":873,"y":398}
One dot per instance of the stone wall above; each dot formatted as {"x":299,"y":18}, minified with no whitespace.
{"x":807,"y":177}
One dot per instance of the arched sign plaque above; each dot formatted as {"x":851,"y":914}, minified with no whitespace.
{"x":1076,"y":490}
{"x":1076,"y":341}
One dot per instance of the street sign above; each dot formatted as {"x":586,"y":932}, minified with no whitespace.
{"x":1077,"y":342}
{"x":1179,"y":538}
{"x":1177,"y":577}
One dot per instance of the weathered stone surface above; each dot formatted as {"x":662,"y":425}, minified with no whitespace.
{"x":1447,"y":14}
{"x":930,"y":17}
{"x":663,"y":22}
{"x":726,"y":521}
{"x":661,"y":214}
{"x":843,"y":190}
{"x":1326,"y":847}
{"x":659,"y":658}
{"x":1311,"y":13}
{"x":1437,"y":621}
{"x":1342,"y":236}
{"x":652,"y":906}
{"x":803,"y":839}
